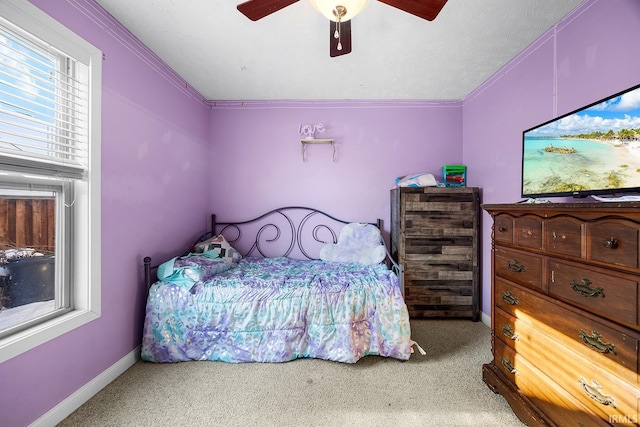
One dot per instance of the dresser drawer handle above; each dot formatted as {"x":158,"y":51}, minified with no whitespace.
{"x":610,"y":244}
{"x":508,"y":365}
{"x":594,"y":342}
{"x":585,"y":289}
{"x":502,"y":229}
{"x":593,"y":390}
{"x":509,"y":298}
{"x":515,"y":266}
{"x":507,"y":331}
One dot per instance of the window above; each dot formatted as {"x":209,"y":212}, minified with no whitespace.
{"x":49,"y":179}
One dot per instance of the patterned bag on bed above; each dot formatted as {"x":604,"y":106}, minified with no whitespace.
{"x":221,"y":246}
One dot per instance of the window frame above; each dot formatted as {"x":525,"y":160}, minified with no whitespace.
{"x":84,"y":237}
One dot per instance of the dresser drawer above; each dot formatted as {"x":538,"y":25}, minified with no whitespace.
{"x":503,"y":228}
{"x":444,"y":250}
{"x":528,"y":232}
{"x":565,"y":236}
{"x":596,"y":388}
{"x":613,"y":349}
{"x":519,"y":267}
{"x":439,"y":294}
{"x":439,"y":224}
{"x":511,"y":298}
{"x":614,"y":242}
{"x":601,"y":292}
{"x":509,"y":329}
{"x":417,"y":270}
{"x":556,"y":403}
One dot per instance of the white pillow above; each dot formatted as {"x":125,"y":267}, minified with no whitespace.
{"x":360,"y":243}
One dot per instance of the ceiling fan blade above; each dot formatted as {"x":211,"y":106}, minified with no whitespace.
{"x":425,"y":9}
{"x":258,"y":9}
{"x":344,"y":31}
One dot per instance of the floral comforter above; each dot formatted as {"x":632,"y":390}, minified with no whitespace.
{"x":279,"y":309}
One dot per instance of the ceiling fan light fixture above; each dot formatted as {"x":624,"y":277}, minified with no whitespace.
{"x":339,"y":10}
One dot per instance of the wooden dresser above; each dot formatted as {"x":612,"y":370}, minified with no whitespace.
{"x":565,"y":319}
{"x":434,"y":235}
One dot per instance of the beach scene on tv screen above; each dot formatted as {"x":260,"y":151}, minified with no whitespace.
{"x":596,"y":148}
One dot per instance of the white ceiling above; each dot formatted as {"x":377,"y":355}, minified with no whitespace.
{"x":396,"y":56}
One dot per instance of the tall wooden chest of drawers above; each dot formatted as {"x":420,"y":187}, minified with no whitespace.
{"x":434,"y":235}
{"x":565,"y":312}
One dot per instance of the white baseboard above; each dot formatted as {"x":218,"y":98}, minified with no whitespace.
{"x":486,"y":319}
{"x":86,"y":392}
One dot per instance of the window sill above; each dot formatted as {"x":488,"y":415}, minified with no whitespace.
{"x":26,"y":340}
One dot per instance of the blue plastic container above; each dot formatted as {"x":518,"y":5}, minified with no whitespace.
{"x":454,"y":175}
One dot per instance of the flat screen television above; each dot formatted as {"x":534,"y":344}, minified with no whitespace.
{"x":593,"y":150}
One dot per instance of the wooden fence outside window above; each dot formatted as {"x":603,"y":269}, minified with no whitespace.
{"x":27,"y":223}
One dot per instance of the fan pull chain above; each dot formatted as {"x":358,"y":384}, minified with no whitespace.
{"x":339,"y":12}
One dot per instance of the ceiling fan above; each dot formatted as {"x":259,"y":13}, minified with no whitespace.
{"x":340,"y":12}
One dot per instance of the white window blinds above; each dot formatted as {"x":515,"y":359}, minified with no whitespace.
{"x":43,"y":107}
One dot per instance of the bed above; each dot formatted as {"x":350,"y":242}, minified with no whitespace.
{"x":288,"y":284}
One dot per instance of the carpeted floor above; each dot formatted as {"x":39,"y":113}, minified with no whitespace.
{"x":443,"y":388}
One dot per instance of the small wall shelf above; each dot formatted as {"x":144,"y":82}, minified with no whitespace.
{"x":316,"y":141}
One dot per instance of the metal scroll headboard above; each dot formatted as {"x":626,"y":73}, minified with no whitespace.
{"x":292,"y":230}
{"x":288,"y":231}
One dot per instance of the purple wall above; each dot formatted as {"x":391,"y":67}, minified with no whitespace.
{"x":240,"y":159}
{"x":258,"y":164}
{"x":596,"y":55}
{"x":155,"y":142}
